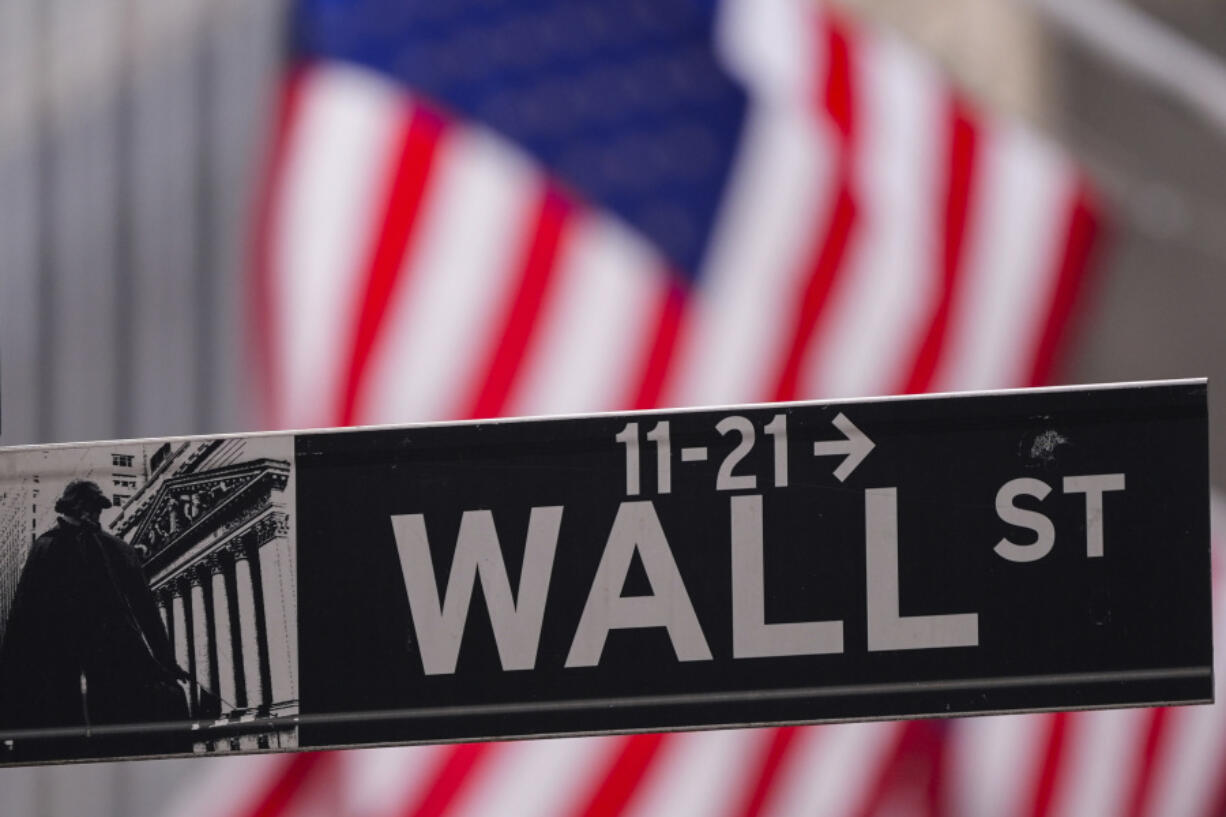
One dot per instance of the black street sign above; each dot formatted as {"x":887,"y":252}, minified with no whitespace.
{"x":792,"y":563}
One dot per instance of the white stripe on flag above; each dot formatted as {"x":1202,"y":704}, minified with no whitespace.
{"x":698,"y":774}
{"x":994,"y":764}
{"x":542,"y":778}
{"x":598,"y":322}
{"x":454,"y":282}
{"x":1099,"y":762}
{"x":378,"y":782}
{"x":770,"y":46}
{"x":776,"y":201}
{"x":1012,"y":261}
{"x":326,"y":213}
{"x":878,"y":316}
{"x":832,"y":769}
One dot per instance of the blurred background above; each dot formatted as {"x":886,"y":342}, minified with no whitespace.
{"x":134,"y":144}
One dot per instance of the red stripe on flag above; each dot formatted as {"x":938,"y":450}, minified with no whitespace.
{"x":963,"y":141}
{"x":657,"y":364}
{"x":910,"y":762}
{"x":415,"y":157}
{"x":826,"y":256}
{"x":454,"y":770}
{"x":624,"y":776}
{"x":938,"y":791}
{"x":294,"y":774}
{"x":762,"y":779}
{"x":536,"y":275}
{"x":837,"y":97}
{"x":1142,"y":779}
{"x":1072,"y":270}
{"x":261,"y":321}
{"x":1053,"y":766}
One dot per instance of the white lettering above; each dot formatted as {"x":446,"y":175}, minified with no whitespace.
{"x":887,"y":630}
{"x":1093,"y":486}
{"x":637,"y":528}
{"x":1045,"y":532}
{"x":440,"y":626}
{"x":752,"y":637}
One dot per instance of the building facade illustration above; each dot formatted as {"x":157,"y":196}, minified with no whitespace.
{"x":213,"y":526}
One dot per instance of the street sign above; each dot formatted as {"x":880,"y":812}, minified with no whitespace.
{"x":791,"y":563}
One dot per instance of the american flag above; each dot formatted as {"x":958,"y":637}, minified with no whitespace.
{"x":490,"y":208}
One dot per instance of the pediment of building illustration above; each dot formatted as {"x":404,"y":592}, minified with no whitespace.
{"x":186,"y":507}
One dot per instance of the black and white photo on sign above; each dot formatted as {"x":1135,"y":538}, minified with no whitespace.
{"x":148,"y":582}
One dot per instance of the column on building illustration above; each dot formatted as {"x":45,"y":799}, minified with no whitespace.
{"x":219,"y":636}
{"x":200,"y":637}
{"x":249,"y":630}
{"x":242,"y":666}
{"x":223,"y":642}
{"x":182,"y":630}
{"x":226,"y":667}
{"x":277,"y":575}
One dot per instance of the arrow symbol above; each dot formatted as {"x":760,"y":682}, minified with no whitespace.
{"x":856,"y":446}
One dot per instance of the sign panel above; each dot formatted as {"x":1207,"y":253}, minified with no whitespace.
{"x":791,"y":563}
